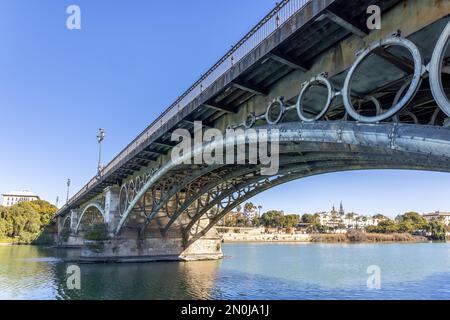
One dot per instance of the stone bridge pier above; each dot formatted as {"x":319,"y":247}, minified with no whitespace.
{"x":131,"y":244}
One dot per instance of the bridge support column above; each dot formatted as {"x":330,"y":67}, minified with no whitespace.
{"x":68,"y":237}
{"x":112,"y":216}
{"x":131,"y":246}
{"x":74,"y":215}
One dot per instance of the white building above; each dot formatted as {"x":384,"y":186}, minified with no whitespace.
{"x":11,"y":198}
{"x":439,"y":216}
{"x":339,"y":219}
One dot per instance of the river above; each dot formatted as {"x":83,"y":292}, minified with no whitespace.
{"x":248,"y":271}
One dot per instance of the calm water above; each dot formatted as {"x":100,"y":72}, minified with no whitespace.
{"x":249,"y":271}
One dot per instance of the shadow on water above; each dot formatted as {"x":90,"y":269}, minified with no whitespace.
{"x":156,"y":280}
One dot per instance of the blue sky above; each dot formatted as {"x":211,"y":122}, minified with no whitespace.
{"x":127,"y":64}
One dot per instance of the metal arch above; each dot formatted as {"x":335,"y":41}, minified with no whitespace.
{"x":436,"y":71}
{"x":210,"y":187}
{"x":331,"y":94}
{"x":433,"y":142}
{"x":204,"y":190}
{"x":129,"y":187}
{"x":419,"y":70}
{"x":175,"y":189}
{"x":290,"y":177}
{"x":66,"y":218}
{"x":230,"y":193}
{"x":91,"y":205}
{"x":170,"y":165}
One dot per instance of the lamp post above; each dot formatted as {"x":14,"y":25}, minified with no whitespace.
{"x":68,"y":187}
{"x":57,"y":200}
{"x":100,"y":138}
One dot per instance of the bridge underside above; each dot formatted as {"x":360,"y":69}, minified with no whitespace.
{"x":385,"y":108}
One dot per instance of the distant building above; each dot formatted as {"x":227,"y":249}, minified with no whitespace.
{"x":341,"y":220}
{"x":11,"y":198}
{"x":439,"y":216}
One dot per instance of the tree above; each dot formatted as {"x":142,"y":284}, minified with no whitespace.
{"x":385,"y":226}
{"x":437,"y":230}
{"x":380,"y":217}
{"x":249,"y":209}
{"x":25,"y":220}
{"x":272,"y":218}
{"x":310,"y":218}
{"x":411,"y":222}
{"x":291,"y":221}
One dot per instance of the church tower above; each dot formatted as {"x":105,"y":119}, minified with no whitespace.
{"x":341,"y":209}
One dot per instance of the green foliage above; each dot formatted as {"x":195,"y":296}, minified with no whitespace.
{"x":310,"y":218}
{"x":98,"y":232}
{"x":272,"y":218}
{"x":437,"y":230}
{"x":385,"y":226}
{"x":45,"y":238}
{"x":24,"y":221}
{"x":380,"y":217}
{"x":291,"y":221}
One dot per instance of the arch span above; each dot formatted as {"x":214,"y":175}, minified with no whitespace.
{"x":308,"y":148}
{"x":95,"y":206}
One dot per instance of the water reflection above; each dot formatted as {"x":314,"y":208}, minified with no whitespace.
{"x":249,"y":271}
{"x":27,"y":272}
{"x":159,"y":280}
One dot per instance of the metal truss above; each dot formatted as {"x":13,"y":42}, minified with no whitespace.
{"x":226,"y":201}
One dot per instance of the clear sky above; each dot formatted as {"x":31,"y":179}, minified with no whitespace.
{"x":130,"y":60}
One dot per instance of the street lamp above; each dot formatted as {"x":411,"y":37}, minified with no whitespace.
{"x":68,"y":187}
{"x":100,"y":138}
{"x":57,"y":200}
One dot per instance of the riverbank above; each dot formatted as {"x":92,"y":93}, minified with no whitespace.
{"x":366,"y":237}
{"x":242,"y":235}
{"x":270,"y":237}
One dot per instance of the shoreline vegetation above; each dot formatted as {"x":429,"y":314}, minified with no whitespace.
{"x":257,"y":236}
{"x":335,"y":226}
{"x":25,"y":222}
{"x":363,"y":237}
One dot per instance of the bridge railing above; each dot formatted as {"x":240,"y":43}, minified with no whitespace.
{"x":269,"y":24}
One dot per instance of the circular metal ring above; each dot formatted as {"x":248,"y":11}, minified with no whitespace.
{"x":415,"y":82}
{"x":331,"y":94}
{"x":273,"y":104}
{"x":250,"y":120}
{"x":123,"y":203}
{"x":436,"y":71}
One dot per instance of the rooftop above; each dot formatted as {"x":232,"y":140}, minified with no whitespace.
{"x":22,"y":193}
{"x":437,"y":213}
